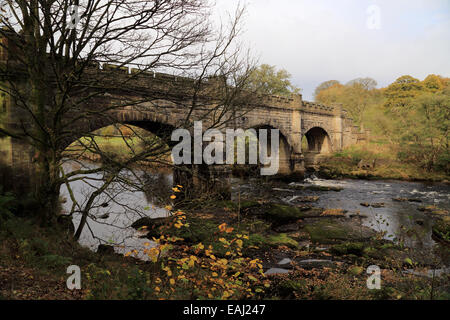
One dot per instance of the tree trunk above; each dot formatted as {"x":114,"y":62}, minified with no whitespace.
{"x":47,"y":192}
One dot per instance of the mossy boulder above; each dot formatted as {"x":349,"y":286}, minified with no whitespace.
{"x":287,"y":288}
{"x":198,"y":230}
{"x":266,"y":241}
{"x":356,"y":270}
{"x":441,"y":230}
{"x":281,"y":214}
{"x":356,"y":248}
{"x":435,"y":211}
{"x":329,"y":231}
{"x":244,"y":205}
{"x":149,"y":222}
{"x":282,"y":239}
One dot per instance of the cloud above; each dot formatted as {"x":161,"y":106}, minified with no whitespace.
{"x":322,"y":40}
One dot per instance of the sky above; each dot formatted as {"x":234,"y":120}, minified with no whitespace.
{"x":320,"y":40}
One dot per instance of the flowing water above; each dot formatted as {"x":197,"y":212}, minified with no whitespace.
{"x":114,"y":213}
{"x":399,"y":220}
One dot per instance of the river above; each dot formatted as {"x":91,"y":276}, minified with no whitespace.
{"x":400,"y":221}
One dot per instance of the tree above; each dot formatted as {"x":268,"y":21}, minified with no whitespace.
{"x":325,"y":85}
{"x":359,"y":94}
{"x":331,"y":94}
{"x":55,"y":44}
{"x":355,"y":96}
{"x":419,"y":115}
{"x":422,"y":131}
{"x":365,"y":83}
{"x":401,"y":93}
{"x":267,"y":79}
{"x":433,"y":83}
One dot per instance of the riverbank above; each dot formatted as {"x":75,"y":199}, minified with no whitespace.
{"x":305,"y":252}
{"x":121,"y":148}
{"x":374,"y":162}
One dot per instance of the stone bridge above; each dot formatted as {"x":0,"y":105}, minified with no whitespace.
{"x":326,"y":128}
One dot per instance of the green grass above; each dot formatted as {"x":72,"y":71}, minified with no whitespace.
{"x":123,"y":148}
{"x":387,"y":166}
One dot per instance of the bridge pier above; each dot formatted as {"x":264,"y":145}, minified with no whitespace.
{"x":202,"y":179}
{"x":17,"y":168}
{"x":298,"y":165}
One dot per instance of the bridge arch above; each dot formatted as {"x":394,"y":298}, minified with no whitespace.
{"x":154,"y":117}
{"x":317,"y":141}
{"x":285,"y":148}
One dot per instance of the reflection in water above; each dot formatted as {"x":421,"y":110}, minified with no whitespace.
{"x":114,"y":212}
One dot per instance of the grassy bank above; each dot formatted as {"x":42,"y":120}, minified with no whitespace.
{"x":387,"y":165}
{"x":122,"y":148}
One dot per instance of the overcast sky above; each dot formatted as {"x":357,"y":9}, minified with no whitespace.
{"x":319,"y":40}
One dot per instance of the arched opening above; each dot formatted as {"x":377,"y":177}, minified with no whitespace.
{"x":137,"y":156}
{"x":316,"y":140}
{"x":281,"y":159}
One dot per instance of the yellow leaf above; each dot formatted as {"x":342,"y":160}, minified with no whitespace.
{"x":222,"y":227}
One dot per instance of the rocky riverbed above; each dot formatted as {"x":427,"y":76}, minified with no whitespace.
{"x":313,"y":229}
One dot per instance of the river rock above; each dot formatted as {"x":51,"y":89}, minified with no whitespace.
{"x":331,"y":231}
{"x":105,"y":249}
{"x":373,"y":205}
{"x":365,"y":204}
{"x":272,"y":271}
{"x":281,"y":214}
{"x":377,"y":205}
{"x":406,"y":200}
{"x":441,"y":230}
{"x":316,"y":264}
{"x":287,"y":228}
{"x":285,"y":261}
{"x":334,"y":213}
{"x":151,"y":226}
{"x":308,"y":199}
{"x":150,"y":222}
